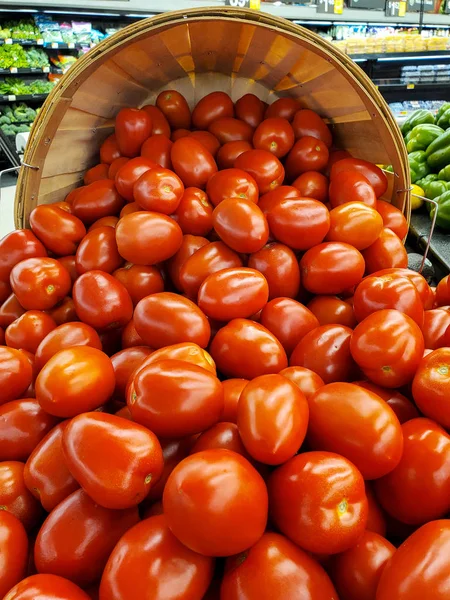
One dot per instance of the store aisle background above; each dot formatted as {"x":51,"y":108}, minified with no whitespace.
{"x":8,"y":190}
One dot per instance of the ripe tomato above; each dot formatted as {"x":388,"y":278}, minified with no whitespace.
{"x":158,"y":190}
{"x":232,"y":389}
{"x":241,"y":225}
{"x":351,"y":186}
{"x":358,"y":424}
{"x":312,"y":184}
{"x":66,"y":335}
{"x":186,"y":352}
{"x":393,"y":218}
{"x":133,"y":127}
{"x":221,"y":435}
{"x":98,"y":250}
{"x":110,"y":221}
{"x":418,"y":490}
{"x":250,"y":108}
{"x":46,"y":474}
{"x":40,"y":283}
{"x":59,"y":231}
{"x":23,"y":424}
{"x":109,"y":150}
{"x":147,"y":238}
{"x":227,"y":129}
{"x":371,"y":172}
{"x":69,"y":263}
{"x":431,"y":384}
{"x":285,"y":108}
{"x":308,"y":123}
{"x":189,"y":245}
{"x":97,"y":200}
{"x":101,"y":300}
{"x":443,"y":292}
{"x":130,"y":336}
{"x":78,"y":536}
{"x":192,"y":162}
{"x":403,"y":408}
{"x":194,"y":213}
{"x":246,"y":349}
{"x":116,"y":165}
{"x":274,"y":135}
{"x":15,"y":497}
{"x":387,"y":364}
{"x":64,"y":312}
{"x":17,"y":246}
{"x":280,"y":267}
{"x":434,"y":328}
{"x":179,"y":133}
{"x":263,"y":166}
{"x":417,"y":279}
{"x":222,"y":509}
{"x":288,"y":320}
{"x":167,"y":569}
{"x":233,"y":293}
{"x":16,"y":374}
{"x":207,"y":140}
{"x":332,"y":310}
{"x":129,"y":174}
{"x":140,"y":280}
{"x":229,"y":152}
{"x":173,"y":452}
{"x":307,"y":154}
{"x":318,"y":501}
{"x":376,"y":520}
{"x":272,"y":418}
{"x":37,"y":587}
{"x":215,"y":105}
{"x":306,"y":380}
{"x":96,"y":173}
{"x":331,"y":268}
{"x":232,"y":183}
{"x":14,"y":544}
{"x":160,"y":125}
{"x":124,"y":363}
{"x":5,"y":291}
{"x":326,"y":351}
{"x":386,"y":252}
{"x":27,"y":332}
{"x":157,"y":149}
{"x":355,"y":223}
{"x":175,"y":108}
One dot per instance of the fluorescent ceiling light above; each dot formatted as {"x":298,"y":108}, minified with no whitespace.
{"x":430,"y":56}
{"x":81,"y":13}
{"x":140,"y":15}
{"x":309,"y":22}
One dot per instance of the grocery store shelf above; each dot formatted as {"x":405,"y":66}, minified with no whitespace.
{"x":49,"y":45}
{"x":440,"y":246}
{"x":399,"y":56}
{"x":23,"y":98}
{"x":29,"y":71}
{"x":396,"y":92}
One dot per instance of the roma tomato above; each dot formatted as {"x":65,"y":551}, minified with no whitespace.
{"x":285,"y":108}
{"x":186,"y":352}
{"x":179,"y":133}
{"x":68,"y":262}
{"x":75,"y":380}
{"x":46,"y":474}
{"x":110,"y":221}
{"x":175,"y":108}
{"x":403,"y":408}
{"x":443,"y":292}
{"x":241,"y":225}
{"x":326,"y":351}
{"x":194,"y":213}
{"x":98,"y":250}
{"x":232,"y":294}
{"x":116,"y":165}
{"x":275,"y":568}
{"x":16,"y":374}
{"x":109,"y":150}
{"x":14,"y":544}
{"x":312,"y":184}
{"x":211,"y":107}
{"x":331,"y":268}
{"x":280,"y":267}
{"x":58,"y":230}
{"x":222,"y":493}
{"x":272,"y":418}
{"x":193,"y":164}
{"x":232,"y":389}
{"x":308,"y":123}
{"x":221,"y":435}
{"x":133,"y":127}
{"x":232,"y":183}
{"x":288,"y":320}
{"x":386,"y":252}
{"x":28,"y":331}
{"x":387,"y":364}
{"x":196,"y":398}
{"x":78,"y":536}
{"x":17,"y":246}
{"x":167,"y":569}
{"x":393,"y":218}
{"x":227,"y":129}
{"x":246,"y":349}
{"x":64,"y":312}
{"x":173,"y":452}
{"x":15,"y":497}
{"x":129,"y":173}
{"x":23,"y":424}
{"x":229,"y":152}
{"x":140,"y":280}
{"x":274,"y":135}
{"x":130,"y":336}
{"x":306,"y":380}
{"x":96,"y":173}
{"x":40,"y":283}
{"x":264,"y":167}
{"x":318,"y":501}
{"x":114,"y":460}
{"x":165,"y":318}
{"x":356,"y":224}
{"x":160,"y":125}
{"x":250,"y":108}
{"x":124,"y":363}
{"x":101,"y":300}
{"x":307,"y":154}
{"x":418,"y":489}
{"x":207,"y":140}
{"x":358,"y":424}
{"x":332,"y":310}
{"x":434,"y":327}
{"x":371,"y":172}
{"x":417,"y":279}
{"x":157,"y":149}
{"x":376,"y":520}
{"x":351,"y":186}
{"x":38,"y":587}
{"x":97,"y":200}
{"x":66,"y":335}
{"x":158,"y":190}
{"x":431,"y":386}
{"x":189,"y":245}
{"x":5,"y":291}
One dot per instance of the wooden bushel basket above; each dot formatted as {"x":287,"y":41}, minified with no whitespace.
{"x":198,"y":51}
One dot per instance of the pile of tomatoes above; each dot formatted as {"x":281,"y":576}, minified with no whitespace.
{"x":219,"y":379}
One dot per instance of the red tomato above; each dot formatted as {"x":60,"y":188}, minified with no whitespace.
{"x":17,"y":246}
{"x":140,"y":280}
{"x":97,"y":200}
{"x":66,"y":335}
{"x":221,"y":435}
{"x":285,"y":108}
{"x":78,"y":536}
{"x":124,"y":363}
{"x":96,"y":173}
{"x":229,"y":152}
{"x":158,"y":190}
{"x":189,"y":245}
{"x":271,"y":199}
{"x":435,"y":325}
{"x":192,"y":162}
{"x":332,"y":310}
{"x":386,"y":252}
{"x":38,"y":587}
{"x":227,"y":129}
{"x":129,"y":208}
{"x":306,"y":380}
{"x":331,"y":268}
{"x":185,"y":352}
{"x":351,"y":186}
{"x":157,"y":149}
{"x":210,"y":108}
{"x":308,"y":123}
{"x":207,"y":140}
{"x":356,"y":224}
{"x":98,"y":250}
{"x":376,"y":520}
{"x":275,"y":568}
{"x":109,"y":150}
{"x":133,"y":127}
{"x":130,"y":336}
{"x":173,"y":452}
{"x":129,"y":174}
{"x":263,"y":166}
{"x":443,"y":292}
{"x":307,"y":154}
{"x":387,"y":364}
{"x":115,"y":460}
{"x":14,"y":496}
{"x":280,"y":267}
{"x":274,"y":135}
{"x":5,"y":291}
{"x":417,"y":279}
{"x":40,"y":283}
{"x":232,"y":183}
{"x":418,"y":490}
{"x":64,"y":312}
{"x":194,"y":213}
{"x":46,"y":474}
{"x":403,"y":408}
{"x":160,"y":125}
{"x":318,"y":501}
{"x":431,"y":386}
{"x":68,"y":262}
{"x":371,"y":172}
{"x":312,"y":184}
{"x":14,"y":544}
{"x":167,"y":569}
{"x":179,"y":133}
{"x":110,"y":221}
{"x":101,"y":300}
{"x":326,"y":351}
{"x":175,"y":108}
{"x":393,"y":218}
{"x":59,"y":231}
{"x":29,"y":330}
{"x":222,"y":509}
{"x":117,"y":164}
{"x":241,"y":225}
{"x":250,"y":108}
{"x":232,"y":389}
{"x":15,"y":374}
{"x":165,"y":318}
{"x":246,"y":349}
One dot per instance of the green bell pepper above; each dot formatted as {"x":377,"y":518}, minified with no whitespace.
{"x":444,"y":173}
{"x":442,"y":110}
{"x":418,"y":165}
{"x":438,"y":152}
{"x":419,"y":117}
{"x":444,"y":119}
{"x":436,"y":188}
{"x":443,"y":211}
{"x":426,"y":180}
{"x":421,"y":136}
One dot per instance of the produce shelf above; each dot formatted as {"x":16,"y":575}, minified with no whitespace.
{"x":48,"y":45}
{"x":440,"y":243}
{"x":29,"y":71}
{"x":23,"y":98}
{"x":415,"y":91}
{"x":393,"y":56}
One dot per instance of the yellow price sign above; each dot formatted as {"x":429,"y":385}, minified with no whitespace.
{"x":255,"y":4}
{"x":338,"y":7}
{"x":410,"y":86}
{"x":402,"y":9}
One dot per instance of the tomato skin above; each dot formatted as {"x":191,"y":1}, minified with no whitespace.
{"x":96,"y":200}
{"x":109,"y":150}
{"x":189,"y":245}
{"x":160,"y":125}
{"x":308,"y":123}
{"x":357,"y":424}
{"x":59,"y":231}
{"x":382,"y":362}
{"x":140,"y":281}
{"x":15,"y":374}
{"x":274,"y":135}
{"x":66,"y":335}
{"x":211,"y":107}
{"x":186,"y":352}
{"x":17,"y":246}
{"x":434,"y":328}
{"x":241,"y":225}
{"x":27,"y":332}
{"x":351,"y":186}
{"x":417,"y":279}
{"x":355,"y":223}
{"x":175,"y":108}
{"x":280,"y":267}
{"x":124,"y":363}
{"x":221,"y":435}
{"x":331,"y":268}
{"x":64,"y":312}
{"x":117,"y":164}
{"x":207,"y":140}
{"x":403,"y":408}
{"x":263,"y":166}
{"x":98,"y":250}
{"x":232,"y":389}
{"x":40,"y":283}
{"x":250,"y":109}
{"x":306,"y":380}
{"x":41,"y":587}
{"x":232,"y":183}
{"x":386,"y":252}
{"x":371,"y":172}
{"x":393,"y":218}
{"x":130,"y":173}
{"x":431,"y":384}
{"x":174,"y":451}
{"x":318,"y":501}
{"x":179,"y":133}
{"x":307,"y":154}
{"x":166,"y":568}
{"x":229,"y":152}
{"x":158,"y":190}
{"x":96,"y":173}
{"x":332,"y":310}
{"x":15,"y":497}
{"x":192,"y":162}
{"x":130,"y":336}
{"x":228,"y":129}
{"x":443,"y":292}
{"x":14,"y":544}
{"x":285,"y":108}
{"x":5,"y":291}
{"x":133,"y":127}
{"x":312,"y":184}
{"x":110,"y":221}
{"x":101,"y":300}
{"x":194,"y":213}
{"x":222,"y":492}
{"x":157,"y":149}
{"x":326,"y":351}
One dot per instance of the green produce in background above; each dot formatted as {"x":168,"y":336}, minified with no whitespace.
{"x":445,"y":173}
{"x":442,"y":110}
{"x":421,"y":136}
{"x":438,"y":152}
{"x":444,"y":119}
{"x":436,"y":188}
{"x":13,"y":55}
{"x":419,"y":117}
{"x":443,"y":213}
{"x":426,"y":180}
{"x":418,"y":165}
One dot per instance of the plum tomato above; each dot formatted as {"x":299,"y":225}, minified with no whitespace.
{"x":306,"y":380}
{"x":174,"y":450}
{"x":279,"y":266}
{"x":175,"y":108}
{"x":228,"y":153}
{"x":232,"y":389}
{"x":435,"y":325}
{"x":140,"y":280}
{"x":307,"y":154}
{"x":351,"y":186}
{"x":284,"y":108}
{"x":40,"y":283}
{"x":37,"y":587}
{"x":160,"y":125}
{"x":158,"y":190}
{"x":207,"y":140}
{"x":264,"y":167}
{"x":129,"y":174}
{"x":192,"y":162}
{"x":64,"y":312}
{"x":133,"y":127}
{"x":227,"y":129}
{"x":232,"y":183}
{"x":15,"y":497}
{"x":17,"y":246}
{"x":431,"y":386}
{"x":189,"y":245}
{"x":16,"y":374}
{"x":59,"y":231}
{"x":371,"y":172}
{"x":308,"y":123}
{"x":96,"y":173}
{"x":66,"y":335}
{"x":221,"y":435}
{"x":109,"y":150}
{"x":97,"y":200}
{"x":312,"y":184}
{"x":194,"y":213}
{"x":250,"y":109}
{"x":116,"y":165}
{"x":403,"y":408}
{"x":110,"y":221}
{"x":443,"y":292}
{"x":274,"y":135}
{"x":211,"y":107}
{"x":241,"y":224}
{"x":386,"y":252}
{"x":98,"y":250}
{"x":14,"y":544}
{"x":356,"y":224}
{"x":332,"y":310}
{"x":157,"y":149}
{"x":28,"y":331}
{"x":417,"y":279}
{"x":393,"y":218}
{"x":124,"y":363}
{"x":179,"y":133}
